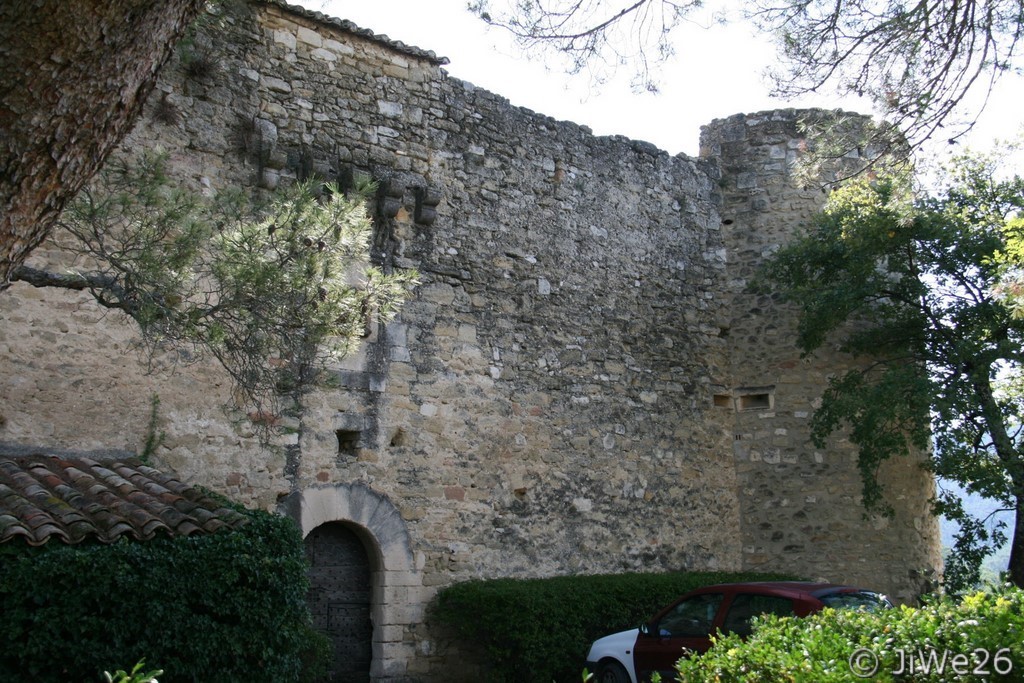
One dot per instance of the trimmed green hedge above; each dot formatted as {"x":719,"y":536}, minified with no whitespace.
{"x":541,"y":629}
{"x":978,"y":638}
{"x":223,"y":607}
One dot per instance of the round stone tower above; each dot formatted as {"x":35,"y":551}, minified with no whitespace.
{"x":801,"y":509}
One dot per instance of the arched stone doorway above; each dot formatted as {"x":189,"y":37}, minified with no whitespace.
{"x":397,"y":596}
{"x":341,"y":598}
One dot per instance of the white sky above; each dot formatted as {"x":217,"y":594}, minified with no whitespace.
{"x":716,"y":72}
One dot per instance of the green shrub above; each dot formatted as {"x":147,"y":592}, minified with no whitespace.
{"x":223,"y":607}
{"x":540,"y":629}
{"x":978,"y":638}
{"x":136,"y":675}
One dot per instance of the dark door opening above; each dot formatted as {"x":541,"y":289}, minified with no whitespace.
{"x":339,"y":598}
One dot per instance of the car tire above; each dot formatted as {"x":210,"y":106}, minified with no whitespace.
{"x":611,"y":672}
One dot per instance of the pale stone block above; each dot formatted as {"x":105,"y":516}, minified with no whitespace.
{"x":309,"y":37}
{"x":324,"y":55}
{"x":337,"y":47}
{"x":284,"y":37}
{"x":276,"y":84}
{"x":399,"y":72}
{"x":438,"y":293}
{"x":582,"y":504}
{"x":407,"y":579}
{"x":393,"y":109}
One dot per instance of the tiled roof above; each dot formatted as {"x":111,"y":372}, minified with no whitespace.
{"x":75,"y":498}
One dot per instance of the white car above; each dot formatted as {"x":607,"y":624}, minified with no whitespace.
{"x":611,"y":658}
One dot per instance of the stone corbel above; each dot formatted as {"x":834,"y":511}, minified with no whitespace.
{"x":427,"y":199}
{"x":391,"y":193}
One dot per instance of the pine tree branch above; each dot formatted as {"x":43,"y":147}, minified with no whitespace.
{"x":97,"y":284}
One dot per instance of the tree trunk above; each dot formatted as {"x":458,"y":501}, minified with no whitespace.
{"x":74,"y":74}
{"x":1017,"y":546}
{"x":1010,"y":459}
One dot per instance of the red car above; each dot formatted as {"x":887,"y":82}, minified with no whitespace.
{"x":688,"y":623}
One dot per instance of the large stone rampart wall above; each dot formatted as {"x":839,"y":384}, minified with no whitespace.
{"x":546,"y":402}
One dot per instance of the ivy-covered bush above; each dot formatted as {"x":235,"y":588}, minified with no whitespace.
{"x":228,"y":606}
{"x":539,"y":630}
{"x":978,"y":638}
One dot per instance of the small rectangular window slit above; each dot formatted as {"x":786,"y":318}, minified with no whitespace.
{"x":348,"y":441}
{"x":755,"y":402}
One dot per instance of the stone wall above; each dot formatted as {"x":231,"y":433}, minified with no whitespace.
{"x":552,"y":400}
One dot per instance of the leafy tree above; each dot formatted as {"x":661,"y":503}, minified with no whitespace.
{"x":271,"y":290}
{"x":911,"y":285}
{"x":917,"y":61}
{"x":75,"y":75}
{"x":1011,"y":261}
{"x":1012,"y":286}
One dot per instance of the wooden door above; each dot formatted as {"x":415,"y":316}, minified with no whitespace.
{"x":339,"y":598}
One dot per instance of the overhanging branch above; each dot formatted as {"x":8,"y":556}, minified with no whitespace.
{"x":97,"y":284}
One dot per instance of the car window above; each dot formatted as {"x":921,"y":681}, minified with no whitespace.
{"x":745,"y":607}
{"x":692,"y":617}
{"x":862,"y":600}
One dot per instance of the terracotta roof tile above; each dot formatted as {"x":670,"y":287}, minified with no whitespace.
{"x":75,"y":498}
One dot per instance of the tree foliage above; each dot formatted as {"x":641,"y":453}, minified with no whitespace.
{"x":271,"y":289}
{"x":911,"y":285}
{"x":917,"y":61}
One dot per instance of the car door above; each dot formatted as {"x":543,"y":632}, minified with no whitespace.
{"x":686,"y":625}
{"x":745,"y":606}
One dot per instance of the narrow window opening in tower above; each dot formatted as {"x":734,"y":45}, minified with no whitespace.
{"x":755,"y":402}
{"x":348,"y":441}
